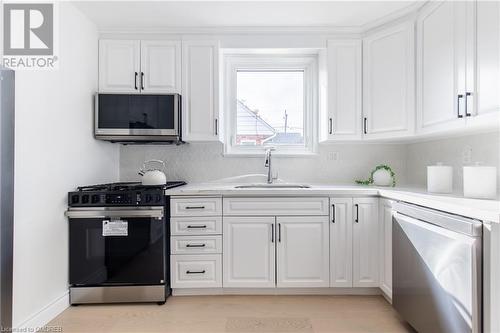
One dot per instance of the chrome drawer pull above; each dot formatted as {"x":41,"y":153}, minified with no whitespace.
{"x":195,"y":207}
{"x":196,"y":226}
{"x":195,"y":245}
{"x":195,"y":272}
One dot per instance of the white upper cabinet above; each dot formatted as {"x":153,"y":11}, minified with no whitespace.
{"x":133,"y":66}
{"x":483,"y":74}
{"x":441,"y":66}
{"x":303,"y":251}
{"x":341,"y":117}
{"x":365,"y":242}
{"x":389,"y":82}
{"x":119,"y":66}
{"x":458,"y":66}
{"x":161,"y":66}
{"x":249,"y":252}
{"x":341,"y":242}
{"x":200,"y":91}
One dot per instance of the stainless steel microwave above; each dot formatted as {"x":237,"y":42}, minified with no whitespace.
{"x":135,"y":118}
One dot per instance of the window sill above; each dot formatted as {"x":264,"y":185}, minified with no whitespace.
{"x":284,"y":154}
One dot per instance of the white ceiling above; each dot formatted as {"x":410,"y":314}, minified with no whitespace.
{"x":144,"y":15}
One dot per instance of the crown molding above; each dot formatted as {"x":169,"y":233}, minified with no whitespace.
{"x":234,"y":30}
{"x":410,"y":10}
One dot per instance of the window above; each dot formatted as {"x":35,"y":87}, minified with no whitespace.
{"x":269,"y":102}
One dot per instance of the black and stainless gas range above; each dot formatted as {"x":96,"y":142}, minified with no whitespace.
{"x":119,"y":243}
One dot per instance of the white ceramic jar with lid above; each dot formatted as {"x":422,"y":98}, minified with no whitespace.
{"x":439,"y":178}
{"x":480,"y":181}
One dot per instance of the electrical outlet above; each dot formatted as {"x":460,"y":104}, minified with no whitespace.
{"x":467,"y":155}
{"x":333,"y":156}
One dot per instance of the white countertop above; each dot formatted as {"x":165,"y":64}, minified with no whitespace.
{"x":485,"y":210}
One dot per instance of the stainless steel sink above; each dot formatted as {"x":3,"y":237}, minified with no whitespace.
{"x":265,"y":185}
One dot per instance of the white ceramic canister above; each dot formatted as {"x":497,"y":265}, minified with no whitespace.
{"x":480,"y":182}
{"x":439,"y":178}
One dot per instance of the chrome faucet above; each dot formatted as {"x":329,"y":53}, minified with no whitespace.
{"x":268,"y":165}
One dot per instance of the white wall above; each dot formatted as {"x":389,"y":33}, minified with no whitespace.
{"x":483,"y":148}
{"x":55,"y":151}
{"x":199,"y":162}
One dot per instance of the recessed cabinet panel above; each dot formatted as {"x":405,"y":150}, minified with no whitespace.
{"x":341,"y":242}
{"x":441,"y":66}
{"x":388,"y":80}
{"x":343,"y":119}
{"x":303,"y":251}
{"x":365,"y":242}
{"x":119,"y":66}
{"x":161,"y":66}
{"x":249,"y":252}
{"x":385,"y":236}
{"x":200,"y":92}
{"x":484,"y":102}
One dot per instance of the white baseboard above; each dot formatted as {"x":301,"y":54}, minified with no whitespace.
{"x":45,"y":315}
{"x":275,"y":291}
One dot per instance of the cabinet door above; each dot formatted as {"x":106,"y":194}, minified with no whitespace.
{"x":441,"y":66}
{"x":161,"y":66}
{"x":249,"y":252}
{"x":119,"y":66}
{"x":365,"y":242}
{"x":385,"y":236}
{"x":342,"y":120}
{"x":483,"y":69}
{"x":341,"y":242}
{"x":302,"y":253}
{"x":389,"y":82}
{"x":200,"y":90}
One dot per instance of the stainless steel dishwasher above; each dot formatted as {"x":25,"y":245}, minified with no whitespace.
{"x":437,"y":269}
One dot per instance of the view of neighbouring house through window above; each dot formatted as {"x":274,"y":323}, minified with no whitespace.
{"x":270,"y":108}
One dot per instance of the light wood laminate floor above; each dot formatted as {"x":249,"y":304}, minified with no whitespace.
{"x":238,"y":314}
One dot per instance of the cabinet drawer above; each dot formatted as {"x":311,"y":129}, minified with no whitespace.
{"x":275,"y":206}
{"x":196,"y":244}
{"x":195,"y":207}
{"x":196,"y":271}
{"x":196,"y":225}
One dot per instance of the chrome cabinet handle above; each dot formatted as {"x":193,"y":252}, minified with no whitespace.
{"x":459,"y":97}
{"x":272,"y":233}
{"x":135,"y":81}
{"x":196,"y":226}
{"x":195,"y":245}
{"x":357,"y":213}
{"x":142,"y":80}
{"x":467,"y":114}
{"x":279,"y":232}
{"x":195,"y":272}
{"x":216,"y":126}
{"x":333,"y":213}
{"x":364,"y":126}
{"x":330,"y":126}
{"x":195,"y":207}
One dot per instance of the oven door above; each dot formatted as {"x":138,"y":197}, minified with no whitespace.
{"x":121,"y":246}
{"x":141,"y":115}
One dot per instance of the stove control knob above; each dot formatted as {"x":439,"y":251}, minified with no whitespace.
{"x":148,"y":198}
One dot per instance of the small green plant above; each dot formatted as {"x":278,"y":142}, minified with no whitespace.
{"x":369,"y":181}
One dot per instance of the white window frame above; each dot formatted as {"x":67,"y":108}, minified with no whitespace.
{"x":257,"y":61}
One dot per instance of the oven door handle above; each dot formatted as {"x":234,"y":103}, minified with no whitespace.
{"x":85,"y":214}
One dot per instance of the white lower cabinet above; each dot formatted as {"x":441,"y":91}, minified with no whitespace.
{"x":268,"y":252}
{"x":341,"y":242}
{"x":196,"y":271}
{"x":249,"y":252}
{"x":303,"y":251}
{"x":365,"y":242}
{"x":385,"y":236}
